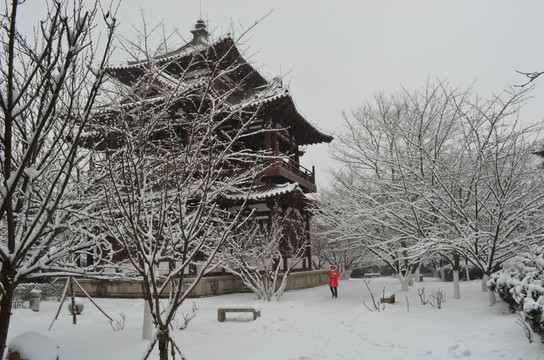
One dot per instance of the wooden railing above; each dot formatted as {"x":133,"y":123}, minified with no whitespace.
{"x":293,"y":171}
{"x":297,"y":169}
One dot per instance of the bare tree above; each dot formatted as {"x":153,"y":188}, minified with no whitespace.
{"x":439,"y":172}
{"x":168,"y":148}
{"x":329,"y":242}
{"x":384,"y":152}
{"x":263,"y":255}
{"x":49,"y":83}
{"x":490,"y":191}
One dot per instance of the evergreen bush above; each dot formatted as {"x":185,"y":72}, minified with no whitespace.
{"x":520,"y":283}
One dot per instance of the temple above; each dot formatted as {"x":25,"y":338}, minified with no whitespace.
{"x":283,"y":182}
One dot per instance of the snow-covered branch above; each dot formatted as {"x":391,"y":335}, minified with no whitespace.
{"x":437,"y":171}
{"x":48,"y":90}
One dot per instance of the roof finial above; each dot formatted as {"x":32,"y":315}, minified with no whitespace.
{"x":200,"y":34}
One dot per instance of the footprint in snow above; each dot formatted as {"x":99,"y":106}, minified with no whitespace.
{"x":458,"y":351}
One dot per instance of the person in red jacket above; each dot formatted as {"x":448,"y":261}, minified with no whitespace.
{"x":334,"y":274}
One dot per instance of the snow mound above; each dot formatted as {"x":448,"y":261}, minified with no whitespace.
{"x":33,"y":345}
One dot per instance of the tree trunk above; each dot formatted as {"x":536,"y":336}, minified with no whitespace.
{"x":456,"y":286}
{"x":484,"y":282}
{"x":442,"y":272}
{"x":466,"y":270}
{"x":163,"y":344}
{"x":403,"y":281}
{"x":5,"y":311}
{"x":492,"y":298}
{"x":73,"y":302}
{"x":147,"y":328}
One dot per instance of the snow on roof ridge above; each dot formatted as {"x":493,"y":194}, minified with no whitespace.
{"x":267,"y":191}
{"x":270,"y":93}
{"x":180,"y":52}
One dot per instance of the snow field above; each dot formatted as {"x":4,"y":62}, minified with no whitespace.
{"x":304,"y":325}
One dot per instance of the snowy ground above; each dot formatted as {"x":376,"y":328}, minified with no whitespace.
{"x":305,"y":324}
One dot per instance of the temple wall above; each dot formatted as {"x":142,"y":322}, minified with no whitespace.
{"x":213,"y":285}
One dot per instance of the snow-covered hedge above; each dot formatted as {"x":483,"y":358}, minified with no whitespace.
{"x":48,"y":290}
{"x":520,"y":283}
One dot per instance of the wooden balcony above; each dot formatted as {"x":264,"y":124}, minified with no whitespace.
{"x":292,"y":171}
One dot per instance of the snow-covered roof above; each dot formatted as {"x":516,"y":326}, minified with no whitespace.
{"x":274,"y":91}
{"x":185,"y":50}
{"x":268,"y":93}
{"x":257,"y":92}
{"x":267,"y":191}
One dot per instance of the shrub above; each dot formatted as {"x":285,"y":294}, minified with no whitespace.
{"x":49,"y":290}
{"x":520,"y":283}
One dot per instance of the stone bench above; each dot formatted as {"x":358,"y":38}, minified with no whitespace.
{"x":387,"y":298}
{"x":221,"y":312}
{"x":371,"y":275}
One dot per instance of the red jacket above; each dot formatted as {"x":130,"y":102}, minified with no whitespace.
{"x":333,"y":277}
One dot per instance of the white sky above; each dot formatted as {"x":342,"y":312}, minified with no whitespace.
{"x":336,"y":54}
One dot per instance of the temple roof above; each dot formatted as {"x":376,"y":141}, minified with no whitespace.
{"x":267,"y":97}
{"x":276,"y":99}
{"x":267,"y":191}
{"x":192,"y":55}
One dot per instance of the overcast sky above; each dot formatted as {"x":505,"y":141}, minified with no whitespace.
{"x":336,"y":54}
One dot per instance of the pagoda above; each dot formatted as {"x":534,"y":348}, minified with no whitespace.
{"x":283,"y":182}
